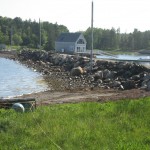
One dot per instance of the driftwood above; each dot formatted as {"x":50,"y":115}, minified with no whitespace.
{"x":28,"y":103}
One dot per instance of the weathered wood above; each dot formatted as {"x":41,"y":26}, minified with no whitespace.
{"x":28,"y":103}
{"x":17,"y":100}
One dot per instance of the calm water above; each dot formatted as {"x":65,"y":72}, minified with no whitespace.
{"x":128,"y":57}
{"x":16,"y":79}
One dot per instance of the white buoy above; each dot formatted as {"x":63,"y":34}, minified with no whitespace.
{"x":18,"y":107}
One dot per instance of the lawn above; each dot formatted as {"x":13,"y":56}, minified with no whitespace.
{"x":121,"y":125}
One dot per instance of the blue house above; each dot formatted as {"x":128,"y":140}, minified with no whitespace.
{"x":70,"y":43}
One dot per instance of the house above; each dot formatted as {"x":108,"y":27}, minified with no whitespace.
{"x":70,"y":43}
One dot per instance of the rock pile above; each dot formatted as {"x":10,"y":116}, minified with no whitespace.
{"x":74,"y":71}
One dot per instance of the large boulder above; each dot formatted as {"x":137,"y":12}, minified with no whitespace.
{"x":148,"y":85}
{"x":109,"y":74}
{"x":98,"y":75}
{"x":115,"y":84}
{"x":77,"y":71}
{"x":129,"y":84}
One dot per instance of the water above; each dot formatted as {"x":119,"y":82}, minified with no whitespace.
{"x":16,"y":79}
{"x":128,"y":58}
{"x":132,"y":57}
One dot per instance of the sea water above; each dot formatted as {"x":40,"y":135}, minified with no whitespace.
{"x":128,"y":58}
{"x":17,"y":79}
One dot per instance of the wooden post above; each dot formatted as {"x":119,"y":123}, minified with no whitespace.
{"x":92,"y":38}
{"x":40,"y":33}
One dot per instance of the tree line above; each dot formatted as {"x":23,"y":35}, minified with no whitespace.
{"x":27,"y":33}
{"x":112,"y":39}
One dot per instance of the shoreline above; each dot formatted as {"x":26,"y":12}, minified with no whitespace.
{"x":8,"y":54}
{"x":60,"y":95}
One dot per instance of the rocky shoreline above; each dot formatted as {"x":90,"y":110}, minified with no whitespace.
{"x":74,"y":72}
{"x":71,"y":79}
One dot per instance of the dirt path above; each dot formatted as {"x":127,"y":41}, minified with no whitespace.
{"x":102,"y":95}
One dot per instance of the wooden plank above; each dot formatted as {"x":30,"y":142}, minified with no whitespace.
{"x":28,"y":103}
{"x":15,"y":100}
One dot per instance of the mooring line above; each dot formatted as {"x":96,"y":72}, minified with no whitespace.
{"x":46,"y":134}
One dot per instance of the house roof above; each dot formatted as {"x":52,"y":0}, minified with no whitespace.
{"x":68,"y":37}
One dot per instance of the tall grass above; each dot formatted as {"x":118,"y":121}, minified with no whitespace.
{"x":86,"y":126}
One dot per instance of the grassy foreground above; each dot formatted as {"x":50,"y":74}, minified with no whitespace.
{"x":84,"y":126}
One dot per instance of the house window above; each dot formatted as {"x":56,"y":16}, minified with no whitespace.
{"x":78,"y":49}
{"x":80,"y":41}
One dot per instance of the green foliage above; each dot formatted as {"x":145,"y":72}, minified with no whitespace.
{"x":105,"y":39}
{"x":17,"y":39}
{"x":113,"y":125}
{"x":27,"y":33}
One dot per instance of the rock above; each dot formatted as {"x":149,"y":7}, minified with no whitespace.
{"x":146,"y":77}
{"x":148,"y":86}
{"x":136,"y":68}
{"x":144,"y":83}
{"x":90,"y":79}
{"x":98,"y":75}
{"x":121,"y":65}
{"x":135,"y":77}
{"x":116,"y":84}
{"x":105,"y":73}
{"x":120,"y":75}
{"x":127,"y":74}
{"x":46,"y":71}
{"x":107,"y":80}
{"x":121,"y":87}
{"x":99,"y":81}
{"x":111,"y":74}
{"x":129,"y":84}
{"x":77,"y":64}
{"x":77,"y":71}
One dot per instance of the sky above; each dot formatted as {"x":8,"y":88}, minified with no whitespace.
{"x":76,"y":14}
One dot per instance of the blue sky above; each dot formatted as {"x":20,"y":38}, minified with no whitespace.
{"x":76,"y":14}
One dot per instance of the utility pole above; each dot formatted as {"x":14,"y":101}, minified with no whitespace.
{"x":40,"y":34}
{"x":11,"y":37}
{"x":92,"y":38}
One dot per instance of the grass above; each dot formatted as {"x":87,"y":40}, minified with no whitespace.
{"x":13,"y":47}
{"x":123,"y":125}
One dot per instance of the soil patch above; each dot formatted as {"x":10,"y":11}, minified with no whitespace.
{"x":101,"y":95}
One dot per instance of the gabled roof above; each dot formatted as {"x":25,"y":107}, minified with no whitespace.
{"x":68,"y":37}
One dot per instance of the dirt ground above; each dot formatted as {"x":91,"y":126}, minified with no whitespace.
{"x":74,"y":96}
{"x":82,"y":95}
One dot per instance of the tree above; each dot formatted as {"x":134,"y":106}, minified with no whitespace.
{"x":27,"y":33}
{"x":17,"y":39}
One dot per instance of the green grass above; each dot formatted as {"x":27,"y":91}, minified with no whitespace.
{"x":123,"y":125}
{"x":13,"y":47}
